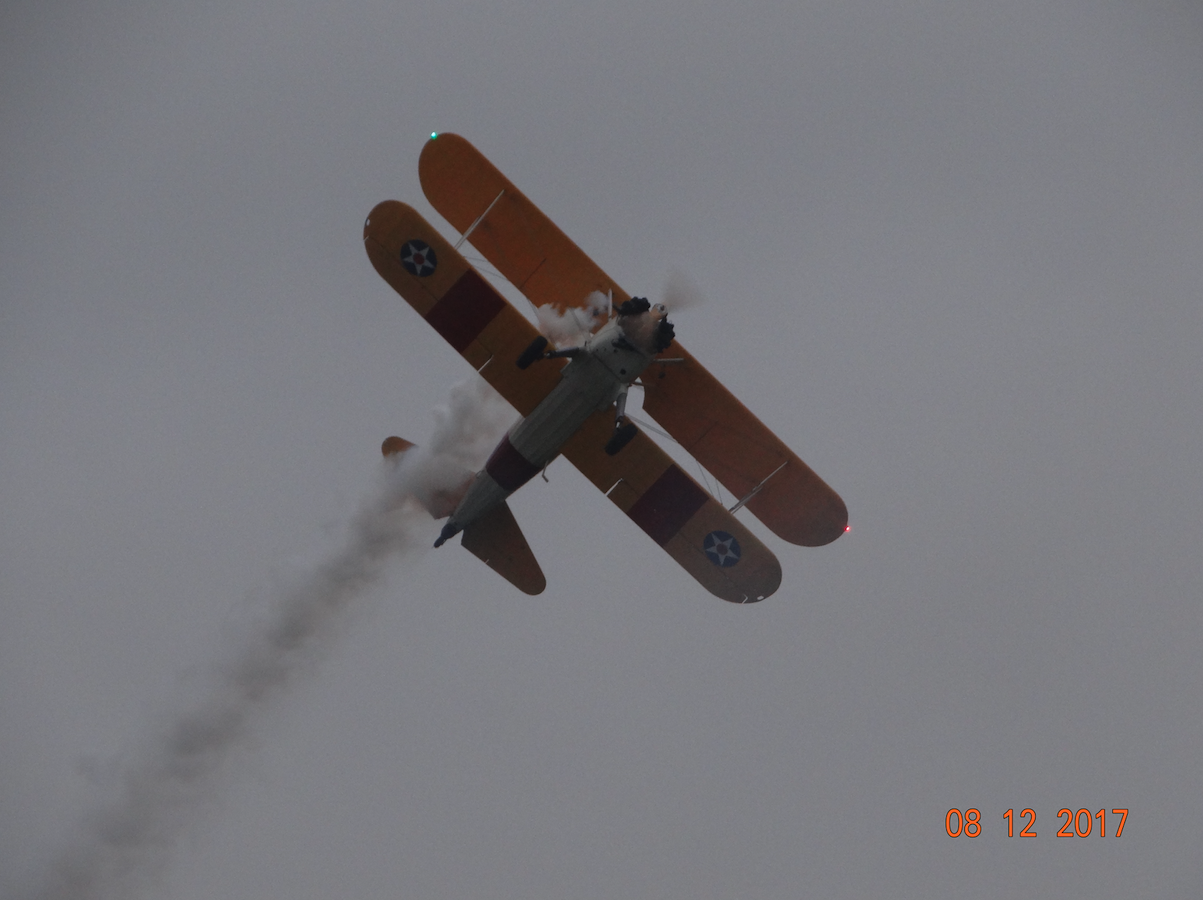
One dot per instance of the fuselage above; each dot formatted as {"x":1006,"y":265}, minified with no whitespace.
{"x":601,"y":370}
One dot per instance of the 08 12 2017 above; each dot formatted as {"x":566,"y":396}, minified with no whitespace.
{"x":1081,"y":823}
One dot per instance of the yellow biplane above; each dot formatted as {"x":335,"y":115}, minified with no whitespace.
{"x":572,"y":400}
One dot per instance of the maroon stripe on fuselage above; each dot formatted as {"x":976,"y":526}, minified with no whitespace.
{"x":667,"y":505}
{"x":509,"y":468}
{"x":463,"y":312}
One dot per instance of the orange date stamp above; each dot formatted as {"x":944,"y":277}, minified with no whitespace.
{"x":1081,"y":824}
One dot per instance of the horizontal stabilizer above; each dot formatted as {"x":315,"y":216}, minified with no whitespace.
{"x":497,"y":541}
{"x":394,"y":445}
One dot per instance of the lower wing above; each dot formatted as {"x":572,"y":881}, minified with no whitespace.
{"x":676,"y":512}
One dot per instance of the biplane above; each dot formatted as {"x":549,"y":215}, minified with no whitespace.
{"x":572,"y":399}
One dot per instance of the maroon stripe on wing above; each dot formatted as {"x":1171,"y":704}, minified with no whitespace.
{"x":667,"y":505}
{"x":463,"y":312}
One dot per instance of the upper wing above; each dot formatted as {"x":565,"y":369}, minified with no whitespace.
{"x":735,"y":447}
{"x":461,"y":306}
{"x":525,"y":246}
{"x":693,"y":528}
{"x":691,"y":405}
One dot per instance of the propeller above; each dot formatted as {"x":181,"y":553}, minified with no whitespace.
{"x":574,"y":325}
{"x":681,"y":292}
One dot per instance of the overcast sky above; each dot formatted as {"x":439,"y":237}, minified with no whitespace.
{"x":953,"y":255}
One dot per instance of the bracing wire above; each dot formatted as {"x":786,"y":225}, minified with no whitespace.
{"x":715,"y":489}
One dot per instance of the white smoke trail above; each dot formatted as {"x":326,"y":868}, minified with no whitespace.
{"x":468,"y":427}
{"x":122,"y":849}
{"x":570,"y":327}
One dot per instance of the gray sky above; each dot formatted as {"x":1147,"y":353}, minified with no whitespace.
{"x":952,"y":253}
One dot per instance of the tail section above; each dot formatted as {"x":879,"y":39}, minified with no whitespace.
{"x":494,"y":538}
{"x":394,"y":445}
{"x":497,"y":541}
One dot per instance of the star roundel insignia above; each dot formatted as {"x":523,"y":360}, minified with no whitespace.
{"x":418,"y":258}
{"x":721,"y":548}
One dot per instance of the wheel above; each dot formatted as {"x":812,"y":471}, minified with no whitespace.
{"x":622,"y":436}
{"x":533,"y":352}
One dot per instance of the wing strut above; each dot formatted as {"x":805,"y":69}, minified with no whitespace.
{"x":756,"y":490}
{"x":472,"y":227}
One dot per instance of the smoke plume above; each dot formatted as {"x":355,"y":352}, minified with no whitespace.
{"x":121,"y":849}
{"x":570,"y":327}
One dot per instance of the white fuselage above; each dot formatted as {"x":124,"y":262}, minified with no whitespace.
{"x":593,"y":379}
